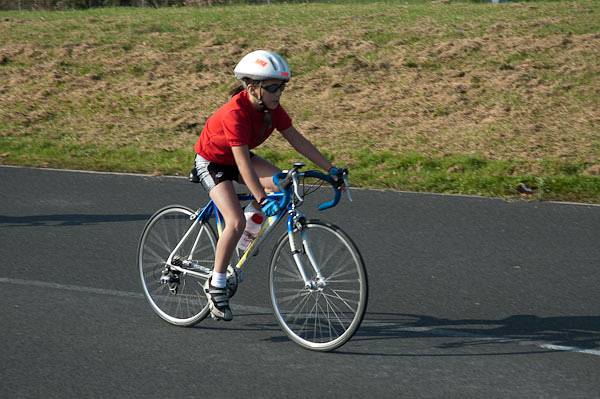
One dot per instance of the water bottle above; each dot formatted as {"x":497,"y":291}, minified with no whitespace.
{"x":254,"y":220}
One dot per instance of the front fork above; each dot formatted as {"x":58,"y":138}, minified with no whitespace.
{"x":296,"y":226}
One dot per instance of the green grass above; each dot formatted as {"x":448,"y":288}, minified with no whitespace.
{"x":67,"y":153}
{"x":412,"y":172}
{"x":459,"y":97}
{"x":462,"y":174}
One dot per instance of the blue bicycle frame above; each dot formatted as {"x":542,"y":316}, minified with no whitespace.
{"x":288,"y":199}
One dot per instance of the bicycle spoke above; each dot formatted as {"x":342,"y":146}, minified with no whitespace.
{"x":357,"y":292}
{"x":288,"y":280}
{"x":161,"y":239}
{"x":155,"y":255}
{"x":296,"y":276}
{"x":331,"y":255}
{"x":290,"y":289}
{"x":303,"y":327}
{"x":188,"y":304}
{"x":152,"y":274}
{"x":316,"y":318}
{"x":290,"y":298}
{"x":339,"y":272}
{"x":345,"y":302}
{"x":299,"y":307}
{"x":328,"y":319}
{"x":354,"y":281}
{"x":333,"y":308}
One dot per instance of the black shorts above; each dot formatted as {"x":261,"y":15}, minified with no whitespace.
{"x":211,"y":173}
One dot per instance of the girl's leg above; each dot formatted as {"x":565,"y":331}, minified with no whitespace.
{"x":265,"y":171}
{"x":225,"y":197}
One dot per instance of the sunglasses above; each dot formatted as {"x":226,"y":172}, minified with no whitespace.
{"x":274,"y":87}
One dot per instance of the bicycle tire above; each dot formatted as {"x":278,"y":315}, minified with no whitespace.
{"x":330,"y":324}
{"x":163,"y":231}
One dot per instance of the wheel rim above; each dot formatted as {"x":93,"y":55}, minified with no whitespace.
{"x":160,"y":237}
{"x":325,"y":317}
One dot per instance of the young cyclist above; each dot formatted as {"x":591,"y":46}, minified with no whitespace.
{"x":223,"y":155}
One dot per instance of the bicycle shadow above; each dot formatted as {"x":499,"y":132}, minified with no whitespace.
{"x":582,"y":332}
{"x":75,"y":219}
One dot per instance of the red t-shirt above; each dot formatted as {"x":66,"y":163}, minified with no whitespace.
{"x":235,"y":124}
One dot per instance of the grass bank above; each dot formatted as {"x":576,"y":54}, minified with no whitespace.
{"x":471,"y":98}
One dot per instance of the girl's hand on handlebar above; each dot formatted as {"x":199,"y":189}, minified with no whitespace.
{"x":269,"y":206}
{"x":338,"y":176}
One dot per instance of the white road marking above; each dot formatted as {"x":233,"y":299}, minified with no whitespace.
{"x":595,"y":352}
{"x":104,"y":291}
{"x":44,"y":284}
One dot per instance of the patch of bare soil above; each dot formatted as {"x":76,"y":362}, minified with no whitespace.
{"x":593,"y":170}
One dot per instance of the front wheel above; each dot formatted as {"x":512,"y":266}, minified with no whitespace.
{"x":324,"y":314}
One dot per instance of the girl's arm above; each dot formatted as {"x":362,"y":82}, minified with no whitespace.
{"x":241,"y":155}
{"x":305,"y":147}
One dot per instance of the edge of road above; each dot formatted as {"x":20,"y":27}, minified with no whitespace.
{"x":508,"y":200}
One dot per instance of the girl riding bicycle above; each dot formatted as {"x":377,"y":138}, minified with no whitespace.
{"x":223,"y":155}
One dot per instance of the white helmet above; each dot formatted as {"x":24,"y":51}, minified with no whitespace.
{"x":262,"y":65}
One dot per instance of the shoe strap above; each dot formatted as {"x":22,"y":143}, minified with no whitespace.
{"x":219,"y":296}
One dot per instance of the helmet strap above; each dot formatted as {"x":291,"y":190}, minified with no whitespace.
{"x":260,"y":102}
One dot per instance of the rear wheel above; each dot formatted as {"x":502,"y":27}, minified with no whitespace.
{"x":325,"y":314}
{"x":177,"y":297}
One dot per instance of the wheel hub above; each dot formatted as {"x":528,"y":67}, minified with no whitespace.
{"x":315,"y":286}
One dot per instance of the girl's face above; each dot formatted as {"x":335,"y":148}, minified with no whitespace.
{"x":270,"y":92}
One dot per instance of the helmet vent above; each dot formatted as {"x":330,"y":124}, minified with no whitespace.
{"x":274,"y":63}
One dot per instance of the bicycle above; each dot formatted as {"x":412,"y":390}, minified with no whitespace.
{"x":317,"y":278}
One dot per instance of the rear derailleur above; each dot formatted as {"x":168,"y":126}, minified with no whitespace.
{"x":171,"y":277}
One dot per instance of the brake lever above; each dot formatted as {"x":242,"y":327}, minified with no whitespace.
{"x":347,"y":185}
{"x":295,"y":183}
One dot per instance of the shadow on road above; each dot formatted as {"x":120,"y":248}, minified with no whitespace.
{"x":581,"y":332}
{"x":75,"y":219}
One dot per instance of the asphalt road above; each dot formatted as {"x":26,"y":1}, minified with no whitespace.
{"x":470,"y":297}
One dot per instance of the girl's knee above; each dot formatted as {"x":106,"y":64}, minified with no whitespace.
{"x":270,"y":187}
{"x":268,"y":183}
{"x":237,"y":224}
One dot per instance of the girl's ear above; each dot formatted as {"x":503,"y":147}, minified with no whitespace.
{"x":252,"y":89}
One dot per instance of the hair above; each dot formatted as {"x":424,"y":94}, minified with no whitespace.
{"x":239,"y":87}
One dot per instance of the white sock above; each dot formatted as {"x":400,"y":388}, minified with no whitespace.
{"x":218,"y":280}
